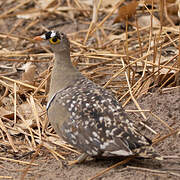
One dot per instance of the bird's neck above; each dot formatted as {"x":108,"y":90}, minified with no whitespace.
{"x":63,"y":73}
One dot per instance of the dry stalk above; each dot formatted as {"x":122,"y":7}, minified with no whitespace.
{"x":18,"y":161}
{"x":113,"y":166}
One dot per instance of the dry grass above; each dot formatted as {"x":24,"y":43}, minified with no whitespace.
{"x":128,"y":62}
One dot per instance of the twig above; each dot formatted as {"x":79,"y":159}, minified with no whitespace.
{"x":111,"y":167}
{"x":153,"y":171}
{"x":6,"y":177}
{"x":21,"y":83}
{"x":31,"y":163}
{"x":170,"y":128}
{"x":17,"y":161}
{"x":2,"y":126}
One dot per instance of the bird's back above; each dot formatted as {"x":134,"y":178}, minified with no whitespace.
{"x":92,"y":120}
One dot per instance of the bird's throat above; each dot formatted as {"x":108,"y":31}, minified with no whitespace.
{"x":63,"y":73}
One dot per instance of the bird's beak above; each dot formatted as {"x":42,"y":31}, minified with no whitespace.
{"x":38,"y":38}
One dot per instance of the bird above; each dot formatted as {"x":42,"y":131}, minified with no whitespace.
{"x":86,"y":115}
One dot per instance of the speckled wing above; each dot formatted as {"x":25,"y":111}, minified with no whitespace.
{"x":92,"y":120}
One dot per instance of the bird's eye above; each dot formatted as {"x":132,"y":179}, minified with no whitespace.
{"x":54,"y":40}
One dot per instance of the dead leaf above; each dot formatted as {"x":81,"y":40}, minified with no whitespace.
{"x":26,"y":110}
{"x":7,"y":114}
{"x":13,"y":131}
{"x":45,"y":3}
{"x":28,"y":75}
{"x":172,"y":9}
{"x":6,"y":101}
{"x":126,"y":11}
{"x":145,"y":21}
{"x":28,"y":123}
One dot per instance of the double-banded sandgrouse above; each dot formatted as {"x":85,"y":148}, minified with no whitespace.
{"x":86,"y":115}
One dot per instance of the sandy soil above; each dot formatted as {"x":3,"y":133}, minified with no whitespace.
{"x":165,"y":104}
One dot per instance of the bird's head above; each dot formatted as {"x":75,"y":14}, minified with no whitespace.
{"x":58,"y":41}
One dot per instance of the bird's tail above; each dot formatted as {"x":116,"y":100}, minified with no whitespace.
{"x":147,"y":152}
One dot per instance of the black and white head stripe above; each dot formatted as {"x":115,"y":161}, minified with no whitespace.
{"x":50,"y":34}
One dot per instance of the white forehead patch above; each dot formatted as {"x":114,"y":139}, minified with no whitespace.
{"x":53,"y":33}
{"x":48,"y":35}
